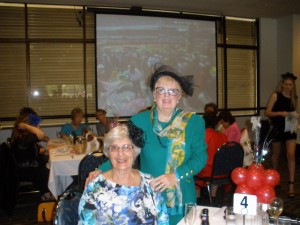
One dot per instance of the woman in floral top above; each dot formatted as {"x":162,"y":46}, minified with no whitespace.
{"x":122,"y":195}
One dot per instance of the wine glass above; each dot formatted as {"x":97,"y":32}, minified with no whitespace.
{"x":275,"y":209}
{"x":58,"y":134}
{"x":190,"y":211}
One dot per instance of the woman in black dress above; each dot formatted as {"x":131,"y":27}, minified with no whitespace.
{"x":281,"y":109}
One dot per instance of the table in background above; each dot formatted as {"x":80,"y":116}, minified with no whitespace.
{"x":62,"y":166}
{"x":216,"y":216}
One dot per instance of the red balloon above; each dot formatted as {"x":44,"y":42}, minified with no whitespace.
{"x":238,"y":175}
{"x":244,"y":189}
{"x":272,"y":177}
{"x":256,"y":166}
{"x":255,"y":178}
{"x":265,"y":194}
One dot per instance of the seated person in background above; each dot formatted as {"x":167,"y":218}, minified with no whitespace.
{"x":122,"y":195}
{"x":76,"y":127}
{"x":211,"y":107}
{"x":230,"y":127}
{"x":104,"y":122}
{"x":31,"y":163}
{"x":26,"y":111}
{"x":214,"y":140}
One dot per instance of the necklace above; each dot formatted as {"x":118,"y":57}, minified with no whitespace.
{"x":157,"y":127}
{"x":160,"y":142}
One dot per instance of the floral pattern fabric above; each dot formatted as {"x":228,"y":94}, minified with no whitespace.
{"x":105,"y":202}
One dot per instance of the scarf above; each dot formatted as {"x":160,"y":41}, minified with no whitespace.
{"x":175,"y":132}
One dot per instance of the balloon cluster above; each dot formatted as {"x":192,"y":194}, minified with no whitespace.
{"x":256,"y":180}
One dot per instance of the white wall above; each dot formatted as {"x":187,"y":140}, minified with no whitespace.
{"x":285,"y":44}
{"x":296,"y":48}
{"x":268,"y":59}
{"x":288,"y":45}
{"x":49,"y":131}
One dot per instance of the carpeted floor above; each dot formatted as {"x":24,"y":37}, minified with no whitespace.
{"x":26,"y":210}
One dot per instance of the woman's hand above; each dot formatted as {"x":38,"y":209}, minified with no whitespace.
{"x":163,"y":182}
{"x":285,"y":113}
{"x":92,"y":176}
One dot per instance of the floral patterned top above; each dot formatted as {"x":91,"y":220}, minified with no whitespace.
{"x":105,"y":202}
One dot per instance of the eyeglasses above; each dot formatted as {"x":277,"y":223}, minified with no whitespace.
{"x":126,"y":148}
{"x":163,"y":91}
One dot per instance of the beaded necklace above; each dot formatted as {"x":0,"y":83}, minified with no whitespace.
{"x":160,"y":142}
{"x":157,"y":128}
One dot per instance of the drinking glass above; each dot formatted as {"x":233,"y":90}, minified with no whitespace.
{"x":190,"y":212}
{"x":230,"y":216}
{"x":275,"y":209}
{"x":284,"y":220}
{"x":58,"y":134}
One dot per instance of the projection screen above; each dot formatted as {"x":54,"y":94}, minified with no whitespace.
{"x":127,"y":48}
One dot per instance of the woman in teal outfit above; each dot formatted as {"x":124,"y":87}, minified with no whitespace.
{"x":175,"y":148}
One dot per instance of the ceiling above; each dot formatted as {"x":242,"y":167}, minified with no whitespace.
{"x":237,"y":8}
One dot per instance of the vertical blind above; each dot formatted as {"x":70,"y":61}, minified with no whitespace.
{"x":48,"y":65}
{"x":47,"y":61}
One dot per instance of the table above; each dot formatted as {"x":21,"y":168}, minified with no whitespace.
{"x":216,"y":216}
{"x":62,"y":166}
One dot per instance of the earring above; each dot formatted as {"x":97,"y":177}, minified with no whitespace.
{"x":154,"y":100}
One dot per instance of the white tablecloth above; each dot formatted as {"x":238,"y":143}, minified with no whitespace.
{"x":216,"y":216}
{"x":62,"y":166}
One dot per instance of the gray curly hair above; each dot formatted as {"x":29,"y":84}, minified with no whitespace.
{"x":117,"y":133}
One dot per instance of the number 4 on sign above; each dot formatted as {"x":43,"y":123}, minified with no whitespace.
{"x":245,"y":204}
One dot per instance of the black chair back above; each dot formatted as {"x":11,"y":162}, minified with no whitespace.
{"x":88,"y":164}
{"x":66,"y":212}
{"x":228,"y":157}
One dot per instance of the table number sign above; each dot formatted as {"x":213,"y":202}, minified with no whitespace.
{"x":245,"y":204}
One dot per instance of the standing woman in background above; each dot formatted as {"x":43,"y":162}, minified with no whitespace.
{"x":175,"y":148}
{"x":281,"y":109}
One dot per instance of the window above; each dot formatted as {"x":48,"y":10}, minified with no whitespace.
{"x":237,"y":66}
{"x":47,"y":61}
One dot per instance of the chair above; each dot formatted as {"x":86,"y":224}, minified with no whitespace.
{"x":9,"y":179}
{"x":27,"y":187}
{"x":88,"y":164}
{"x":10,"y":185}
{"x":228,"y":157}
{"x":66,"y":212}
